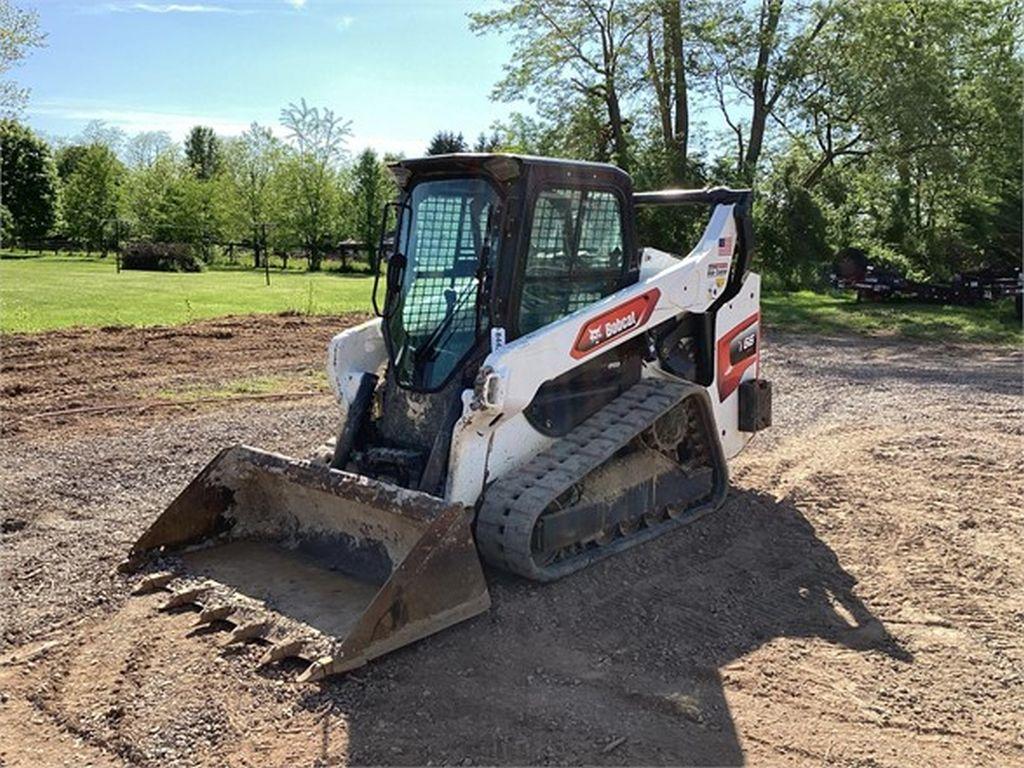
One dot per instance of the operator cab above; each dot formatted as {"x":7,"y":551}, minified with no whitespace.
{"x":503,"y":241}
{"x":496,"y":242}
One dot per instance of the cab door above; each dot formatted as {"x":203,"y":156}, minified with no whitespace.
{"x":576,"y":253}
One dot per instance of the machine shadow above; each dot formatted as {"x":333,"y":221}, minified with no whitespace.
{"x":620,"y":664}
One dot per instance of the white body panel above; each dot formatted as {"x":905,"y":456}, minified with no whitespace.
{"x":653,"y":261}
{"x":352,"y":353}
{"x":493,"y":436}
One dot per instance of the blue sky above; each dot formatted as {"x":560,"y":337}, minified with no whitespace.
{"x":398,"y":69}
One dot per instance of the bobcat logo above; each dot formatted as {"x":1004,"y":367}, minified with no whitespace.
{"x":616,"y":321}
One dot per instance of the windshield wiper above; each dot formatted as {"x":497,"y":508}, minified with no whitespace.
{"x":427,"y":348}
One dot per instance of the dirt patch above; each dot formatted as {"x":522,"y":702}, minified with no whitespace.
{"x":83,"y":375}
{"x":857,"y":601}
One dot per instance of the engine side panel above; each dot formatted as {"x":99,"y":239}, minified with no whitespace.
{"x":564,"y":402}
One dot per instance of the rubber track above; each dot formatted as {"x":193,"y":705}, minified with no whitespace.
{"x":513,"y":504}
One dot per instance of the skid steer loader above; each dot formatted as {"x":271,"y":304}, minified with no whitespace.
{"x":535,"y":391}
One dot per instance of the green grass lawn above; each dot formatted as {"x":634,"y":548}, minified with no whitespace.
{"x":40,"y":293}
{"x":841,"y":313}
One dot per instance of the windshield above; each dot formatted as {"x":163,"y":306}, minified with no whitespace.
{"x":436,"y":319}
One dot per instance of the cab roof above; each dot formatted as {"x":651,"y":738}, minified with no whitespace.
{"x":505,"y":165}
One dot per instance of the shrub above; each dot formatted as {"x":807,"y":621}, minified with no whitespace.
{"x":160,"y":257}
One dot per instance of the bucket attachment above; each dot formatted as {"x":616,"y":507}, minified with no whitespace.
{"x":323,"y":565}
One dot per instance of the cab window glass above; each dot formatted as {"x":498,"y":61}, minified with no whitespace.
{"x":574,"y":257}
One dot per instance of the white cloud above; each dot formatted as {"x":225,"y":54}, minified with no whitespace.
{"x":141,"y":7}
{"x":58,"y":117}
{"x":345,"y":22}
{"x":296,"y":3}
{"x":179,"y":8}
{"x":177,"y":124}
{"x":127,"y":7}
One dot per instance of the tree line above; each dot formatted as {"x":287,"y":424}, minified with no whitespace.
{"x":890,"y":126}
{"x":302,"y":193}
{"x":893,"y":126}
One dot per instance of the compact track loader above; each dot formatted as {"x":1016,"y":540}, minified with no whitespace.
{"x":536,"y":391}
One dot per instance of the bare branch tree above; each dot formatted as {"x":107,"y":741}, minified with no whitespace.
{"x":318,"y":138}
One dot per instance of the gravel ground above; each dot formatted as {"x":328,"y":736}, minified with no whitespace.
{"x":857,"y":601}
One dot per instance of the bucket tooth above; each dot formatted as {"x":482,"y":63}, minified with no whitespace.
{"x":153,"y":582}
{"x":214,"y":613}
{"x":282,"y":650}
{"x":184,"y":597}
{"x":318,"y":670}
{"x":251,"y":631}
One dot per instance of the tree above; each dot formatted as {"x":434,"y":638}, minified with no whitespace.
{"x":318,"y":147}
{"x":92,"y":195}
{"x":202,"y":152}
{"x":197,"y":211}
{"x":570,"y":49}
{"x":485,"y":143}
{"x":667,"y":74}
{"x":576,"y":130}
{"x":167,"y":203}
{"x":792,"y":231}
{"x":446,"y":143}
{"x":372,"y":187}
{"x":933,"y":155}
{"x":99,"y":132}
{"x":67,"y":158}
{"x":253,"y":162}
{"x":28,"y":181}
{"x":144,"y":148}
{"x":753,"y":61}
{"x":145,"y":193}
{"x":19,"y":32}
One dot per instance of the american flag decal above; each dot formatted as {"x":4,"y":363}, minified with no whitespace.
{"x":725,"y":246}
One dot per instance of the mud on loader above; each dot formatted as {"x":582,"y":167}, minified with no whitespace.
{"x":536,"y":391}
